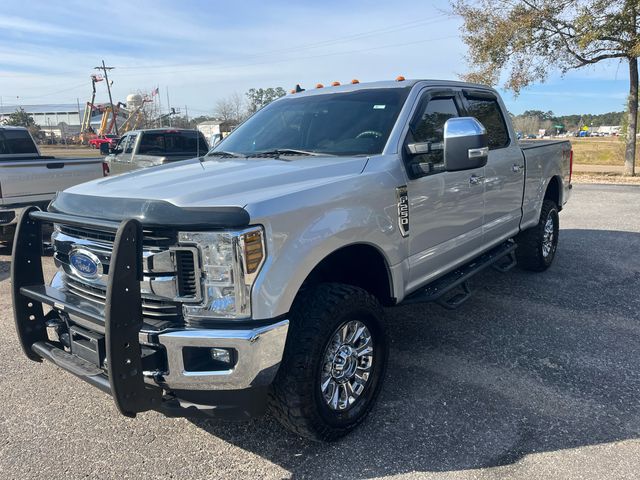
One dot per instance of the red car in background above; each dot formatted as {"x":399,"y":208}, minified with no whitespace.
{"x":112,"y":140}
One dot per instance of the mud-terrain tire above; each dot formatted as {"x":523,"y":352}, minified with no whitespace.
{"x":537,"y":245}
{"x":325,"y":361}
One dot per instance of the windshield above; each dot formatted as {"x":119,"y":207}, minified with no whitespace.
{"x":347,"y":123}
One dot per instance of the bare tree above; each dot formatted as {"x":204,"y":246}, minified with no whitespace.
{"x":231,"y":109}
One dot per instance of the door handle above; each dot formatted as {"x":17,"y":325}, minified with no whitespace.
{"x":516,"y":168}
{"x":476,"y":179}
{"x":51,"y":166}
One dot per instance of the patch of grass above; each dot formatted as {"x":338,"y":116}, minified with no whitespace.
{"x":598,"y":151}
{"x":69,"y":151}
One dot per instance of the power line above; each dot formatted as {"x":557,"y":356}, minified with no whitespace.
{"x":207,"y":66}
{"x":324,"y":43}
{"x":51,"y":93}
{"x":348,"y":38}
{"x":283,"y":60}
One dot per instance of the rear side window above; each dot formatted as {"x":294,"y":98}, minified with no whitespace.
{"x":488,"y":112}
{"x":170,"y":142}
{"x":152,"y":143}
{"x":17,"y":142}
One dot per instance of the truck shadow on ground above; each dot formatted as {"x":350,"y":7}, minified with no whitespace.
{"x":5,"y":266}
{"x":532,"y":363}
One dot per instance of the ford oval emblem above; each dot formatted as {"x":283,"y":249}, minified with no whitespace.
{"x":85,"y":263}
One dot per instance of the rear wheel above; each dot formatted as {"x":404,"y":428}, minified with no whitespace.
{"x":537,"y":246}
{"x":334,"y":362}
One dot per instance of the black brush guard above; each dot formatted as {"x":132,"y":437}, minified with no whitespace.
{"x":123,"y":309}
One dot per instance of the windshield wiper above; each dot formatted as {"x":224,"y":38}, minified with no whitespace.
{"x":290,"y":151}
{"x":223,"y":153}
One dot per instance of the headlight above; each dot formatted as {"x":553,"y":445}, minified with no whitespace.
{"x":230,"y":262}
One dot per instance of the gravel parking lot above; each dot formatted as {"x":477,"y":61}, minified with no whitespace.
{"x":536,"y":377}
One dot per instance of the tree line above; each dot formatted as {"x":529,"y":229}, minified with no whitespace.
{"x":530,"y":121}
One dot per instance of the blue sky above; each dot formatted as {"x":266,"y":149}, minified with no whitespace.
{"x":204,"y":50}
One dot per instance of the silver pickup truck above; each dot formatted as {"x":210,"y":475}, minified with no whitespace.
{"x":156,"y":146}
{"x":29,"y":178}
{"x":255,"y":275}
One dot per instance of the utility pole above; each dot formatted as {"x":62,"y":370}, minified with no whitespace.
{"x":186,"y":113}
{"x":169,"y":106}
{"x":104,"y":68}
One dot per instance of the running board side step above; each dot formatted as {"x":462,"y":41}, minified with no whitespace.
{"x":502,"y":258}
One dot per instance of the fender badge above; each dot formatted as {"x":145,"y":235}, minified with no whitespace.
{"x":402,"y":197}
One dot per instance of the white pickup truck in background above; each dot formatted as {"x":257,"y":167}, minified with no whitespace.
{"x":29,"y":178}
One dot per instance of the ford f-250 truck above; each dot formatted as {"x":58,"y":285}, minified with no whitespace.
{"x":256,"y":275}
{"x":29,"y":178}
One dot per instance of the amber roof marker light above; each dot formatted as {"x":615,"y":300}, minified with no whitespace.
{"x":335,"y":84}
{"x":355,"y":81}
{"x":400,"y":78}
{"x":319,"y":85}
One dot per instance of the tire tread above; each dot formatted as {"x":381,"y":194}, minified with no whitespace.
{"x":291,"y":398}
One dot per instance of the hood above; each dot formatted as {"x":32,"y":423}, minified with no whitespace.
{"x":223,"y":182}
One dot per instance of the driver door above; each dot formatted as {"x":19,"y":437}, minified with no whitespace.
{"x":445,"y":208}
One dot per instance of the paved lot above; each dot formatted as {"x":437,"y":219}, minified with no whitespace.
{"x":535,"y":377}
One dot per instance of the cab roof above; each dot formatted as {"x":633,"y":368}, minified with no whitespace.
{"x":408,"y":83}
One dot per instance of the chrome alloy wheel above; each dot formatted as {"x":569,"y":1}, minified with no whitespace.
{"x":347,"y":364}
{"x":548,"y":236}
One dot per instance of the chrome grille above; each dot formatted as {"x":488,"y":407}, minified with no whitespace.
{"x":170,"y":272}
{"x":151,"y":309}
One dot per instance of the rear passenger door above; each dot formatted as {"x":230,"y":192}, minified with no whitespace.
{"x":445,"y":208}
{"x":505,"y":169}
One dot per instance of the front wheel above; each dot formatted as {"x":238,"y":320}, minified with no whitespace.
{"x":334,"y":362}
{"x":537,"y":245}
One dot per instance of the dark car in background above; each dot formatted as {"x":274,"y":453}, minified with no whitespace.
{"x":147,"y":148}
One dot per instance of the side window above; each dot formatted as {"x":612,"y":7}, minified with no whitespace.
{"x":488,"y":112}
{"x":131,"y":141}
{"x":151,"y":143}
{"x":428,"y":127}
{"x":19,"y":142}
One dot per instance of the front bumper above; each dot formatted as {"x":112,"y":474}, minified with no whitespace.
{"x":112,"y":350}
{"x":258,"y":352}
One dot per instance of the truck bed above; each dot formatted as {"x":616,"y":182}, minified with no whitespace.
{"x":34,"y":179}
{"x":529,"y":144}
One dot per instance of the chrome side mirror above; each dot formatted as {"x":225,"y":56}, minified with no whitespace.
{"x":465,"y":144}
